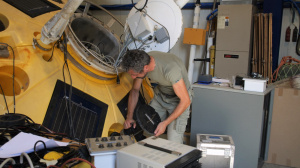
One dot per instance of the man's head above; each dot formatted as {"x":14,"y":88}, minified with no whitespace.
{"x":136,"y":62}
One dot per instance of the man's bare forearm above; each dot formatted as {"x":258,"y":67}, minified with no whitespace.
{"x":132,"y":102}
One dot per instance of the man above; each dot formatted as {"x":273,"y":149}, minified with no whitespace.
{"x":173,"y":91}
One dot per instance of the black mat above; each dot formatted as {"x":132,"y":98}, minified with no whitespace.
{"x":33,"y":8}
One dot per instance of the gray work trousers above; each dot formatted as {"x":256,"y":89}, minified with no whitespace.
{"x":164,"y":105}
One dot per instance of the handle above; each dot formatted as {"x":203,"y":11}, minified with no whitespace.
{"x":159,"y":148}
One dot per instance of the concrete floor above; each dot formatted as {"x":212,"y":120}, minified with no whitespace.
{"x":268,"y":165}
{"x":261,"y":163}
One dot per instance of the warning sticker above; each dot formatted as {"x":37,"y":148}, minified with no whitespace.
{"x":231,"y":56}
{"x":221,"y":22}
{"x":226,"y":21}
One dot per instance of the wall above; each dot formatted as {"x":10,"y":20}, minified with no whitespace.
{"x":180,"y":49}
{"x":288,"y":48}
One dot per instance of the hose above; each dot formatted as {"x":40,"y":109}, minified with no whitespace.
{"x":28,"y":159}
{"x":7,"y":160}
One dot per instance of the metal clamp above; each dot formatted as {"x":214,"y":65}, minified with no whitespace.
{"x":35,"y":43}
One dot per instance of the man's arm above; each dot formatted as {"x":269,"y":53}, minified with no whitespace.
{"x":132,"y":101}
{"x":185,"y":101}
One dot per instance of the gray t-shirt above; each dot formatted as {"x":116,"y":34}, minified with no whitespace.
{"x":169,"y":69}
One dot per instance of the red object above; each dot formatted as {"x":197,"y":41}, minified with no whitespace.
{"x":288,"y":34}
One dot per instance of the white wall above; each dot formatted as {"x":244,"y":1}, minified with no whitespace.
{"x":288,"y":48}
{"x":180,"y":49}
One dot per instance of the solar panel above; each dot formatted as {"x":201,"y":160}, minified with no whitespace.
{"x":86,"y":116}
{"x":33,"y":8}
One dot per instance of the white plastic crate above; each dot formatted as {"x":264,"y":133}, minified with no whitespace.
{"x":256,"y":85}
{"x":217,"y":150}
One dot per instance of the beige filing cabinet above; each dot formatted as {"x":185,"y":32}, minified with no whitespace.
{"x":234,"y":40}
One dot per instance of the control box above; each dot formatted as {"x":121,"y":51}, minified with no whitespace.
{"x":156,"y":152}
{"x":104,"y":149}
{"x":217,"y":150}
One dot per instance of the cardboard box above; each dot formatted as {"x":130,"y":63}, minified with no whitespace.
{"x":284,"y":145}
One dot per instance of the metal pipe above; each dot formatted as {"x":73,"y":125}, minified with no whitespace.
{"x":55,"y":27}
{"x":193,"y":47}
{"x":209,"y":42}
{"x":106,"y":12}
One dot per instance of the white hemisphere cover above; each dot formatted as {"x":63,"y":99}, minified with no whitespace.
{"x":157,"y":14}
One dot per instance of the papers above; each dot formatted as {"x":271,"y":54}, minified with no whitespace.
{"x":24,"y":142}
{"x":220,"y":80}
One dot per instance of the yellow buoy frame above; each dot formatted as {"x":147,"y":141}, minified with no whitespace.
{"x":36,"y":76}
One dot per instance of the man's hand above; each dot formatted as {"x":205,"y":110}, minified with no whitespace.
{"x":128,"y":123}
{"x":160,"y":129}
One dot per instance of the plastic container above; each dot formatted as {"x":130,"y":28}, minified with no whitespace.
{"x":256,"y":85}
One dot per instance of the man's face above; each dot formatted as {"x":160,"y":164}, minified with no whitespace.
{"x":134,"y":74}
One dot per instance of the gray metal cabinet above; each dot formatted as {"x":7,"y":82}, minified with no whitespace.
{"x":241,"y":114}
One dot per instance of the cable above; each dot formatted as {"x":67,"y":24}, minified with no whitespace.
{"x":7,"y":160}
{"x":4,"y":98}
{"x":212,"y":15}
{"x":13,"y":74}
{"x":28,"y":159}
{"x":295,"y":4}
{"x":69,"y":100}
{"x":95,"y":50}
{"x":33,"y":128}
{"x":140,"y":8}
{"x":93,"y":45}
{"x":29,"y":119}
{"x":53,"y":50}
{"x":164,"y":28}
{"x":80,"y":159}
{"x":53,"y":166}
{"x":13,"y":79}
{"x":35,"y":152}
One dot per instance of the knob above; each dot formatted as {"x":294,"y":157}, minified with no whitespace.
{"x":118,"y":144}
{"x":109,"y":145}
{"x":112,"y":138}
{"x":120,"y":138}
{"x":104,"y":139}
{"x":97,"y":140}
{"x":101,"y":146}
{"x":125,"y":143}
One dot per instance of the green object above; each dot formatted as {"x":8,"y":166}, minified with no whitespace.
{"x":288,"y":70}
